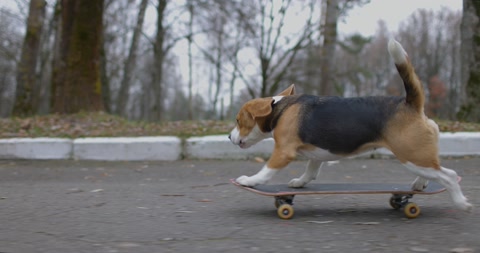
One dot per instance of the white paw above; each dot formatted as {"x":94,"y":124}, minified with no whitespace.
{"x":419,"y":184}
{"x":465,"y":205}
{"x":246,"y":181}
{"x":296,"y":183}
{"x":468,"y":207}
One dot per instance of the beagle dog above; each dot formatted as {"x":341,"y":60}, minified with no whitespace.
{"x":330,"y":128}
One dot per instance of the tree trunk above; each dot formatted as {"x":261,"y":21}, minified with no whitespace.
{"x":190,"y":62}
{"x":470,"y":34}
{"x":218,"y":62}
{"x":77,"y":84}
{"x":106,"y":96}
{"x":327,"y":51}
{"x":44,"y":97}
{"x":26,"y":88}
{"x":159,"y":57}
{"x":129,"y":67}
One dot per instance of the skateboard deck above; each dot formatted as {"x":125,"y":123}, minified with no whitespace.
{"x":310,"y":189}
{"x":401,"y":194}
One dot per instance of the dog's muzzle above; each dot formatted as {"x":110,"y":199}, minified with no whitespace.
{"x":234,"y":137}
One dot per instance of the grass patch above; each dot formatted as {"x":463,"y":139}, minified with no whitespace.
{"x":100,"y":124}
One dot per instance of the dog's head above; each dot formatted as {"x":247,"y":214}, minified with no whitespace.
{"x":251,"y":117}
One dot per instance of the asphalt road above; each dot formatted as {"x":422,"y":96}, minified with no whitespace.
{"x":189,"y":206}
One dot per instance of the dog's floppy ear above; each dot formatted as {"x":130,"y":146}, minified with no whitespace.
{"x":259,"y":107}
{"x":288,"y":91}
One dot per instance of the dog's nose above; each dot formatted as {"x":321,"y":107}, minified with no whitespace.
{"x":229,"y":136}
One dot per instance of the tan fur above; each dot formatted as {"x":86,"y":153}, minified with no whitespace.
{"x":415,"y":95}
{"x":245,"y":121}
{"x":286,"y":143}
{"x":259,"y":107}
{"x":413,"y":138}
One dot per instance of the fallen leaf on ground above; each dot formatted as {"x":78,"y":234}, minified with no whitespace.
{"x":461,"y":250}
{"x":320,"y":222}
{"x":259,"y":159}
{"x":74,"y":190}
{"x":367,"y":223}
{"x":418,"y":249}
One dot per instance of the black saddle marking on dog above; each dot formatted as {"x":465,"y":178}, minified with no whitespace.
{"x":342,"y":125}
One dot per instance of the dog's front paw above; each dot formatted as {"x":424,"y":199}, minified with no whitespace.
{"x":296,"y":183}
{"x":246,"y":181}
{"x":419,"y":184}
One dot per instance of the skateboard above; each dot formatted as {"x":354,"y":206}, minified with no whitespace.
{"x":401,"y":194}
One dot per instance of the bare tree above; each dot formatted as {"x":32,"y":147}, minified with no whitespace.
{"x":432,"y":39}
{"x":218,"y":22}
{"x":119,"y":16}
{"x":355,"y":74}
{"x":327,"y":51}
{"x":26,"y":69}
{"x":378,"y":63}
{"x":276,"y":51}
{"x":190,"y":59}
{"x":333,"y":11}
{"x":159,"y":53}
{"x":10,"y":48}
{"x":470,"y":32}
{"x":44,"y":72}
{"x":148,"y":96}
{"x":129,"y":66}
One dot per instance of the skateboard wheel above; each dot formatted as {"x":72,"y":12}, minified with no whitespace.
{"x":394,"y":203}
{"x":285,"y":211}
{"x":411,"y":210}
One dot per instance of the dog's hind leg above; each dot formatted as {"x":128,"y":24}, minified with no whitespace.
{"x":311,"y":173}
{"x":446,"y":177}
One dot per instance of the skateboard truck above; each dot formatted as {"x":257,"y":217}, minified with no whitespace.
{"x":410,"y":209}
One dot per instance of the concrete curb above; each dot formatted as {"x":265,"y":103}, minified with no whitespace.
{"x":220,"y":147}
{"x":165,"y":148}
{"x":35,"y":148}
{"x":170,"y":148}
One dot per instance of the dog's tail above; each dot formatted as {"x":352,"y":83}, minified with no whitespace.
{"x":413,"y":86}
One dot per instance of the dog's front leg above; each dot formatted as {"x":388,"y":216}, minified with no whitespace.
{"x":419,"y":184}
{"x":279,"y":159}
{"x":310,"y":174}
{"x":262,"y":177}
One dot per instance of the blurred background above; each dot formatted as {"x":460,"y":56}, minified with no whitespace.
{"x":161,"y":60}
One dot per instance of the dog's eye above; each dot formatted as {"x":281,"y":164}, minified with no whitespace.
{"x":237,"y":121}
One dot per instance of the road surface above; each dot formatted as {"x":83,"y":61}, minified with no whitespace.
{"x":189,"y":206}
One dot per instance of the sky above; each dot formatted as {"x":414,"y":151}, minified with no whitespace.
{"x":364,"y":19}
